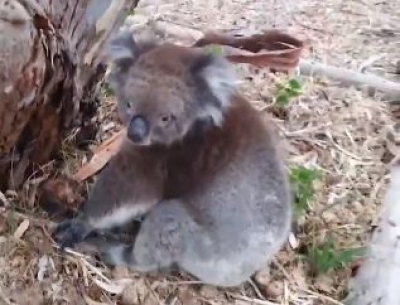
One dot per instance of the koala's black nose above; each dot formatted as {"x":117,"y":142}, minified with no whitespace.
{"x":138,"y":129}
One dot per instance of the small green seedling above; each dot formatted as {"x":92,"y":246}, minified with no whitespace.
{"x":323,"y":257}
{"x":285,"y":92}
{"x":302,"y":181}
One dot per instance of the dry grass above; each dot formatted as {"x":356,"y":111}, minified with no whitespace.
{"x":341,"y":131}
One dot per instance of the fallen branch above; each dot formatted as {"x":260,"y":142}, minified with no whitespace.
{"x":351,"y":78}
{"x":344,"y":76}
{"x":273,"y":48}
{"x":378,"y":281}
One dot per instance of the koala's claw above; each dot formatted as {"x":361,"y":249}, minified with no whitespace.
{"x":70,"y":232}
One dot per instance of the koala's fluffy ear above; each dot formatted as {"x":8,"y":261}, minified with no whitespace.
{"x":122,"y":52}
{"x":216,"y":82}
{"x":122,"y":49}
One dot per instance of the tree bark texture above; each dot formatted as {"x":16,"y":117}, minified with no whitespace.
{"x":51,"y":60}
{"x":378,"y":279}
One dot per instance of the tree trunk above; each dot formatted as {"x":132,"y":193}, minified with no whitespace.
{"x":378,"y":280}
{"x":51,"y":60}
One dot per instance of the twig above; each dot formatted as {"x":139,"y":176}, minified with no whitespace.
{"x":251,"y":300}
{"x":351,"y":78}
{"x":256,"y":289}
{"x":322,"y":297}
{"x":364,"y":65}
{"x":313,"y":293}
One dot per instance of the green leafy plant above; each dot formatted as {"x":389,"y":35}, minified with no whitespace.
{"x":324,"y":257}
{"x":302,"y":181}
{"x":285,"y":92}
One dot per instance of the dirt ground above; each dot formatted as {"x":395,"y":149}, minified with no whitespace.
{"x":340,"y":131}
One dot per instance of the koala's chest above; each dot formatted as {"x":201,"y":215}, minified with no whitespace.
{"x":189,"y":173}
{"x":177,"y":186}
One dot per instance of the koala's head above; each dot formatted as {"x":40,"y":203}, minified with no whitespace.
{"x":164,"y":90}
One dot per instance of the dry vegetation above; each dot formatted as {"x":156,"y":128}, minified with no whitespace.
{"x":338,"y":131}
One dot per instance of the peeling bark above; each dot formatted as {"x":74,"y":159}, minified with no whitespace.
{"x":51,"y":60}
{"x":378,"y":279}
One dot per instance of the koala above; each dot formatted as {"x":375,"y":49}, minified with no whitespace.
{"x":198,"y":163}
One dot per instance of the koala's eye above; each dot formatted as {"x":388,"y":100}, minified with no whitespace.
{"x":128,"y":105}
{"x":167,"y":118}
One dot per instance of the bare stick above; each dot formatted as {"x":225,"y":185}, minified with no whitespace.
{"x":351,"y":78}
{"x":378,"y":279}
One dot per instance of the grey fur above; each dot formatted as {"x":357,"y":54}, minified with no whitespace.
{"x":221,"y":224}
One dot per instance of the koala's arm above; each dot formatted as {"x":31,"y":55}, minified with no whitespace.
{"x":125,"y":190}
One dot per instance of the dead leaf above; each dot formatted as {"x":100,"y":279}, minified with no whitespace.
{"x":21,"y":229}
{"x":102,"y":155}
{"x":272,"y":48}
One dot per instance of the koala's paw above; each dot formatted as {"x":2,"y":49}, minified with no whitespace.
{"x":70,"y":232}
{"x":112,"y":252}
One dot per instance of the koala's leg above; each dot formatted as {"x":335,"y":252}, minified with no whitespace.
{"x":159,"y":243}
{"x":122,"y":193}
{"x":170,"y":237}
